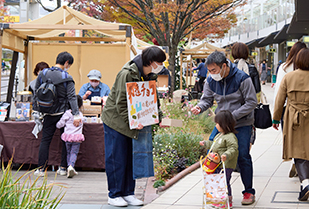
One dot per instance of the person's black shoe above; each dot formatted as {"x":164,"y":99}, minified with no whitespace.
{"x":304,"y":193}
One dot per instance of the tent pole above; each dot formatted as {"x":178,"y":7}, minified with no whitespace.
{"x":188,"y":66}
{"x":180,"y":87}
{"x":11,"y":83}
{"x":1,"y":34}
{"x":26,"y":66}
{"x":191,"y":66}
{"x":64,"y":17}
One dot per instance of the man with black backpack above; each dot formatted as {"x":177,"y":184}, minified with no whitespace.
{"x":55,"y":93}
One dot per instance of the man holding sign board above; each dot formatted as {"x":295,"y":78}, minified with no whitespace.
{"x":131,"y":108}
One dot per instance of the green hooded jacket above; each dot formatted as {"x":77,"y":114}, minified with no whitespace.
{"x":115,"y":112}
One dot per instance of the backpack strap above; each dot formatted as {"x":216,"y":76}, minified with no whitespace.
{"x":43,"y":77}
{"x":65,"y":79}
{"x":64,"y":76}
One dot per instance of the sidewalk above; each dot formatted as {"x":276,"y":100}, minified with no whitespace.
{"x":274,"y":189}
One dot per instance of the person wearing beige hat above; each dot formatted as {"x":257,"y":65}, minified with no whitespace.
{"x":94,"y":87}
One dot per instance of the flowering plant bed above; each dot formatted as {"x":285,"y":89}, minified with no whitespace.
{"x":176,"y":148}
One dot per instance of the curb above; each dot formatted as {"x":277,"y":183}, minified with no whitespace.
{"x":179,"y":176}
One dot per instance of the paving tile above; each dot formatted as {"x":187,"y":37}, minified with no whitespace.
{"x":156,"y":206}
{"x":79,"y":206}
{"x":303,"y":205}
{"x":193,"y":200}
{"x":113,"y":207}
{"x":184,"y":207}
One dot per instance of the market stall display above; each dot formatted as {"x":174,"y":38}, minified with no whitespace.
{"x":25,"y":149}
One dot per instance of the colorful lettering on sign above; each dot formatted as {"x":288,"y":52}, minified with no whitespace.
{"x":133,"y":110}
{"x":153,"y":87}
{"x":138,"y":108}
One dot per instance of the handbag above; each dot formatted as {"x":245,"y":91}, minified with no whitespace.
{"x":212,"y":160}
{"x":262,"y":115}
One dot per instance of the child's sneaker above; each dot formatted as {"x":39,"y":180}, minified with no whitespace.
{"x":38,"y":173}
{"x":61,"y":171}
{"x":71,"y":172}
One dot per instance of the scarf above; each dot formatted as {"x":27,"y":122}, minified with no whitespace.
{"x":242,"y":65}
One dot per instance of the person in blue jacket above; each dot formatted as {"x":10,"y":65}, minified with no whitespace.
{"x":94,"y":87}
{"x":233,"y":90}
{"x":202,"y":73}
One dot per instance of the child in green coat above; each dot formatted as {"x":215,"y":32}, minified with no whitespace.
{"x":225,"y":144}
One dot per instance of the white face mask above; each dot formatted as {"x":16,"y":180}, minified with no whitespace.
{"x":157,"y":69}
{"x":217,"y":77}
{"x":94,"y":84}
{"x":66,"y":69}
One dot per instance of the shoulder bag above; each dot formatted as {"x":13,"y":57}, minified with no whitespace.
{"x":262,"y":115}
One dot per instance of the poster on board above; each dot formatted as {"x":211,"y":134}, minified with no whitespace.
{"x":142,"y":103}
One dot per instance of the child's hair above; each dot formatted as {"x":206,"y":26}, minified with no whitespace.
{"x":226,"y":121}
{"x":79,"y":101}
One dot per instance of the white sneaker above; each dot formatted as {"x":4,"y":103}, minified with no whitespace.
{"x":71,"y":172}
{"x":118,"y":201}
{"x":132,"y":200}
{"x":39,"y":173}
{"x":61,"y":171}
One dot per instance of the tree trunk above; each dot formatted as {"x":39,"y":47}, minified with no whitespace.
{"x":171,"y":67}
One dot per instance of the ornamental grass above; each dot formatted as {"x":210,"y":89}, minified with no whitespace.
{"x":27,"y":191}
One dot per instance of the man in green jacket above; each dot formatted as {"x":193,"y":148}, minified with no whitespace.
{"x":117,"y":133}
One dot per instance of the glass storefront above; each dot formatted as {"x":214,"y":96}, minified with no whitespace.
{"x":259,"y":14}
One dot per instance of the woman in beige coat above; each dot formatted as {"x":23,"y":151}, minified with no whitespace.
{"x":295,"y":88}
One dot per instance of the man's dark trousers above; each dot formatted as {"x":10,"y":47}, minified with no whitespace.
{"x":49,"y":128}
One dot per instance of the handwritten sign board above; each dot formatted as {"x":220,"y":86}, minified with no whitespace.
{"x":142,"y":103}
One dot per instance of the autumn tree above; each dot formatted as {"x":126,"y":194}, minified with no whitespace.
{"x":168,"y":21}
{"x":3,"y":12}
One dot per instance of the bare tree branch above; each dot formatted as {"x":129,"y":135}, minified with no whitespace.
{"x":47,"y":9}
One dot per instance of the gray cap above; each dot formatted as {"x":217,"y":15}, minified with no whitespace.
{"x":94,"y":75}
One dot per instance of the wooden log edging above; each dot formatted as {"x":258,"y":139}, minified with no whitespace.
{"x":179,"y":176}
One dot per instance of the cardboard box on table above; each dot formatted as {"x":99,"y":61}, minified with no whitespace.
{"x":93,"y":111}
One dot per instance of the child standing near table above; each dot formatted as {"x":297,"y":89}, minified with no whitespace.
{"x":72,"y":136}
{"x":225,"y":144}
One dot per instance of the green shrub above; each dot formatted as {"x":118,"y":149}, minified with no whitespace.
{"x":27,"y":193}
{"x":159,"y":183}
{"x":174,"y":152}
{"x":175,"y":148}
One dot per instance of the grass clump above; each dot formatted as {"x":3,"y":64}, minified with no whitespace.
{"x":25,"y":192}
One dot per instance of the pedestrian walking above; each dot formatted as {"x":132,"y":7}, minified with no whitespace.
{"x":72,"y":136}
{"x":263,"y":72}
{"x":226,"y":145}
{"x":65,"y":97}
{"x":285,"y":68}
{"x":233,"y":90}
{"x":294,"y":89}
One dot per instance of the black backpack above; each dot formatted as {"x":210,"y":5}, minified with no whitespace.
{"x":46,"y":95}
